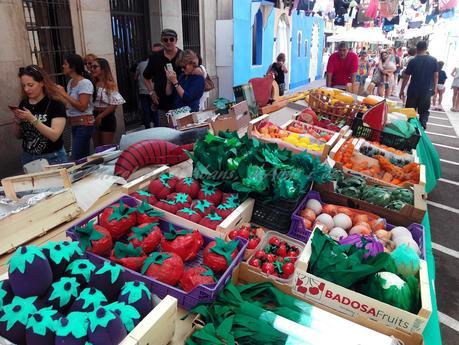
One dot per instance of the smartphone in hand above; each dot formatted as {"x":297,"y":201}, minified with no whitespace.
{"x":13,"y":107}
{"x":169,"y":67}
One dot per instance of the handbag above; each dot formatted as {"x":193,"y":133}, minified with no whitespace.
{"x":208,"y":84}
{"x":377,"y":78}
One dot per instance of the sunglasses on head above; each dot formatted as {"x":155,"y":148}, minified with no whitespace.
{"x":166,"y":39}
{"x":30,"y":68}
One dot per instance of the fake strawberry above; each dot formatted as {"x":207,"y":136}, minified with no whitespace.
{"x":147,"y":214}
{"x":168,"y":206}
{"x":203,"y":207}
{"x":231,"y":199}
{"x":184,"y":243}
{"x":210,"y":193}
{"x":144,"y":195}
{"x":163,"y":186}
{"x":181,"y":199}
{"x":118,"y":219}
{"x":189,"y":214}
{"x":224,"y":210}
{"x":219,"y":254}
{"x":211,"y":221}
{"x":165,"y":267}
{"x":94,"y":238}
{"x":147,"y":236}
{"x":189,"y":186}
{"x":197,"y":276}
{"x":128,"y":256}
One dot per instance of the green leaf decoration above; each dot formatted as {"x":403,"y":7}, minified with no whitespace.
{"x":224,"y":207}
{"x":73,"y":248}
{"x":114,"y":269}
{"x":181,"y":198}
{"x":64,"y":289}
{"x":140,"y":232}
{"x":232,"y":201}
{"x":208,"y":273}
{"x":82,"y":267}
{"x":169,"y":202}
{"x":188,"y":211}
{"x":278,"y":265}
{"x":146,"y":208}
{"x":123,"y":250}
{"x":188,"y":181}
{"x":173,"y":234}
{"x":58,"y":252}
{"x":208,"y":190}
{"x":120,"y":212}
{"x":18,"y":310}
{"x":100,"y":318}
{"x":91,"y":297}
{"x":74,"y":324}
{"x":202,"y":205}
{"x":135,"y":290}
{"x":88,"y":233}
{"x":126,"y":312}
{"x":23,"y":256}
{"x":156,"y":258}
{"x":144,"y":193}
{"x":164,"y":178}
{"x":42,"y":321}
{"x":213,"y":216}
{"x":3,"y":293}
{"x":224,"y":249}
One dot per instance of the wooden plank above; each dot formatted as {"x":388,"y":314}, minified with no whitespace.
{"x":143,"y":181}
{"x":157,"y":327}
{"x":36,"y":220}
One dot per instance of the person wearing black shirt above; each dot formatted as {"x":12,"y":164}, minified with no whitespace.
{"x":155,"y":71}
{"x":40,"y":118}
{"x":423,"y":70}
{"x":440,"y":90}
{"x":278,"y":69}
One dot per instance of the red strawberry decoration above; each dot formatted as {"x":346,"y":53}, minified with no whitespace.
{"x":144,"y":195}
{"x":128,"y":256}
{"x":211,"y":194}
{"x":224,"y":210}
{"x":165,"y":267}
{"x":188,"y":185}
{"x":184,"y":243}
{"x":230,"y":199}
{"x":147,"y":236}
{"x":181,"y":199}
{"x":94,"y":238}
{"x":196,"y":276}
{"x":219,"y":254}
{"x":118,"y":219}
{"x":189,"y":214}
{"x":211,"y":221}
{"x":147,"y":214}
{"x":163,"y":186}
{"x":203,"y":207}
{"x":168,"y":206}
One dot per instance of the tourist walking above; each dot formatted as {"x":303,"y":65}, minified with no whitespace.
{"x":422,"y":73}
{"x":107,"y":99}
{"x":455,"y":87}
{"x":440,"y":90}
{"x":40,"y":117}
{"x":79,"y":97}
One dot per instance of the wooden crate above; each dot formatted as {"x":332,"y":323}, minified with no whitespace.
{"x":19,"y":228}
{"x":345,"y":131}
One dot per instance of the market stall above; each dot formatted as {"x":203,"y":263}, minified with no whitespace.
{"x":264,"y":206}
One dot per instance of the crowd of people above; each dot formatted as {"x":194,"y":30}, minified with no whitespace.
{"x":383,"y":72}
{"x":168,"y":79}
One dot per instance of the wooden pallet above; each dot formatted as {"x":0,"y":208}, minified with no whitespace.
{"x":37,"y":220}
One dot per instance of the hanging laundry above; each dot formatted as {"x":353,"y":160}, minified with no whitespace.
{"x":447,"y":5}
{"x":372,"y":9}
{"x":388,"y":8}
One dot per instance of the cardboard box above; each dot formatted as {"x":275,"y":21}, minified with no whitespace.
{"x":191,"y":120}
{"x":351,"y":303}
{"x":237,"y":117}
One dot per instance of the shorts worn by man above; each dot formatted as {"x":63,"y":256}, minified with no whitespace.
{"x":422,"y":72}
{"x":342,"y":67}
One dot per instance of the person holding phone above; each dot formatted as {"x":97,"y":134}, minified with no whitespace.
{"x":156,"y":72}
{"x":188,"y":88}
{"x":79,"y":97}
{"x":40,"y":117}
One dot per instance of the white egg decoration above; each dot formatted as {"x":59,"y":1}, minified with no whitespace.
{"x":326,"y":220}
{"x":343,"y":221}
{"x":314,"y":205}
{"x":409,"y":242}
{"x":400,"y":231}
{"x":338,"y":233}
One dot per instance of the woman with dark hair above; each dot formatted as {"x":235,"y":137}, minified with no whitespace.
{"x":107,"y":99}
{"x":279,"y":70}
{"x":40,"y":117}
{"x":79,"y":98}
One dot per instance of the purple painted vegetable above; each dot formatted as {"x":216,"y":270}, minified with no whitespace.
{"x":370,"y":243}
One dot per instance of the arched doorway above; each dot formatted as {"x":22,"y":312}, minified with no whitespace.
{"x":283,"y":43}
